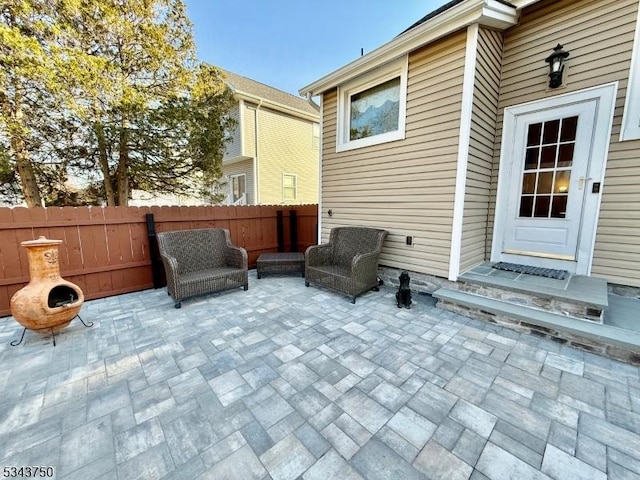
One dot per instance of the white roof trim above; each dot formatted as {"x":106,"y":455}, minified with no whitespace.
{"x":240,"y":95}
{"x":485,"y":12}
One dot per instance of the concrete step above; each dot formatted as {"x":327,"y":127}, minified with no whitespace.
{"x":582,"y":290}
{"x":602,"y":339}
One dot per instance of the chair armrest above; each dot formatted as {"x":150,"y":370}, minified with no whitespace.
{"x":236,"y":257}
{"x":171,"y":270}
{"x":319,"y":255}
{"x":365,"y":264}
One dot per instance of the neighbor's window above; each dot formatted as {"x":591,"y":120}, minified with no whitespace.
{"x":289,"y":187}
{"x":631,"y":117}
{"x":372,"y":109}
{"x":238,"y":187}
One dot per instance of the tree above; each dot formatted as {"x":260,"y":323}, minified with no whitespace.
{"x":126,"y":99}
{"x":25,"y":73}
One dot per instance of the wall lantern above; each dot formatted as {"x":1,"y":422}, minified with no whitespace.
{"x":556,"y":66}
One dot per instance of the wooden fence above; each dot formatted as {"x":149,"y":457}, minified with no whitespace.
{"x":106,"y":250}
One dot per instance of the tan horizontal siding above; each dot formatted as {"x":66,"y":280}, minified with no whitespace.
{"x":481,"y":145}
{"x":599,"y":36}
{"x":406,"y":186}
{"x":286,"y":146}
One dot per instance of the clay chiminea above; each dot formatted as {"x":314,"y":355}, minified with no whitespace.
{"x":48,"y":301}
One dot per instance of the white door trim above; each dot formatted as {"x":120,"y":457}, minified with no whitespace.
{"x":605,"y":96}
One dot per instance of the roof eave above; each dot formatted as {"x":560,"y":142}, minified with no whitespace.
{"x":239,"y":94}
{"x":490,"y":13}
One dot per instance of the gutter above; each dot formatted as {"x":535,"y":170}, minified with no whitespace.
{"x":491,"y":13}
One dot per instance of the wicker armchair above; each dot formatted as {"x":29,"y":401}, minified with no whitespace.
{"x":348,"y":263}
{"x":201,"y":261}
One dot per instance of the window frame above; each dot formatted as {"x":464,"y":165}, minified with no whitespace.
{"x":295,"y":187}
{"x":396,"y":68}
{"x":630,"y":128}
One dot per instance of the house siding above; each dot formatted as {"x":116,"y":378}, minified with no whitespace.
{"x":599,"y":36}
{"x":249,"y":129}
{"x":481,"y":145}
{"x":406,"y":186}
{"x":238,"y":168}
{"x":286,"y":146}
{"x":234,"y":147}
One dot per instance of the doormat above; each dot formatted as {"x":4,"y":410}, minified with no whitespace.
{"x":529,"y":270}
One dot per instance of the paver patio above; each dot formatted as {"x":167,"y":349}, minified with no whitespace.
{"x":289,"y":382}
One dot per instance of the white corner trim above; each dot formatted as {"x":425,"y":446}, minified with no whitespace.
{"x":320,"y":170}
{"x":485,"y":12}
{"x":630,"y":128}
{"x":464,"y":138}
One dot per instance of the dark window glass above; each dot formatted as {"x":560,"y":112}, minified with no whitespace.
{"x":548,"y":157}
{"x":531,"y":158}
{"x":569,"y":127}
{"x":526,"y":206}
{"x":550,"y":134}
{"x":565,"y":155}
{"x":559,"y":206}
{"x":542,"y":206}
{"x":533,"y":136}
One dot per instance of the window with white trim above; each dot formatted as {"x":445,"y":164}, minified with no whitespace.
{"x":289,"y":187}
{"x":238,"y":187}
{"x":631,"y":117}
{"x":372,"y":108}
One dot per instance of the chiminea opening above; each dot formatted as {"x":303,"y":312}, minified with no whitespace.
{"x":61,"y":295}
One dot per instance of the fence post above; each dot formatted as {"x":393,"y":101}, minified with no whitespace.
{"x":293,"y":230}
{"x":157,"y":269}
{"x":280,"y":227}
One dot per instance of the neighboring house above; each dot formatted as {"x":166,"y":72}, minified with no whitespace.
{"x":451,"y":138}
{"x":273,"y":158}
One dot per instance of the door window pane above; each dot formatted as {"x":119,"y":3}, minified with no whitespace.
{"x":526,"y":206}
{"x":529,"y":183}
{"x":563,"y":178}
{"x":565,"y":155}
{"x":569,"y":128}
{"x":546,"y":174}
{"x":559,"y":206}
{"x":548,"y":157}
{"x":542,"y":206}
{"x":551,"y":130}
{"x":531,"y":158}
{"x":533,"y":135}
{"x":545,"y":180}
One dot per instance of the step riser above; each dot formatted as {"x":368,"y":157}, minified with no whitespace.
{"x":576,"y":341}
{"x":553,"y":305}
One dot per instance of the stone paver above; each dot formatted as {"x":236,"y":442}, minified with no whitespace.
{"x":288,"y":382}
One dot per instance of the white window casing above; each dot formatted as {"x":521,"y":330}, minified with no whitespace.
{"x":289,"y":187}
{"x":392,"y":70}
{"x":631,"y":117}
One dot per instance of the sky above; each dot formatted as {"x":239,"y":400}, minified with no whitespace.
{"x":289,"y":44}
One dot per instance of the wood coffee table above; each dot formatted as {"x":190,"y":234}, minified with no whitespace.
{"x":282,"y":262}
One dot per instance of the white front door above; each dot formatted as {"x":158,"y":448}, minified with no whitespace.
{"x":550,"y":179}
